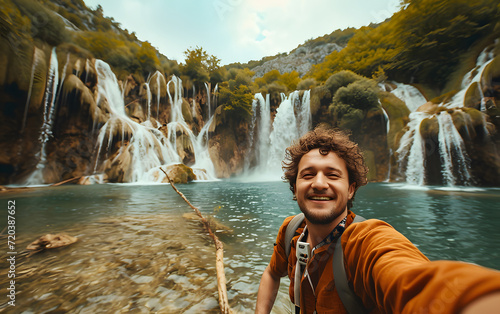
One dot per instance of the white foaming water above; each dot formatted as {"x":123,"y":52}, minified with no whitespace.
{"x":149,"y":95}
{"x":412,"y":97}
{"x":411,"y":149}
{"x":292,"y":120}
{"x":48,"y":119}
{"x":208,"y":101}
{"x":452,"y":152}
{"x":148,"y":148}
{"x":472,"y":77}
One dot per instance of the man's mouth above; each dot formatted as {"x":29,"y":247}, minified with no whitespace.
{"x":320,"y":198}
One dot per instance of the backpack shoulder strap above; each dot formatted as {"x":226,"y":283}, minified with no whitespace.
{"x":350,"y":300}
{"x":290,"y":231}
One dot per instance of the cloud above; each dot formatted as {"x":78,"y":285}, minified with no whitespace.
{"x":239,"y":30}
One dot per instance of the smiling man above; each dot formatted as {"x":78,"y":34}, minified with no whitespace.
{"x":385,"y":271}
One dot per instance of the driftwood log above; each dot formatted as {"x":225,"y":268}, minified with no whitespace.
{"x":219,"y":254}
{"x":51,"y":241}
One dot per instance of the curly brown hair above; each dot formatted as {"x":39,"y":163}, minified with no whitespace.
{"x":326,"y":140}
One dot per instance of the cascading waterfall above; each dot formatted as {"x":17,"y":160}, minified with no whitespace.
{"x":260,"y":129}
{"x":48,"y":118}
{"x":412,"y":97}
{"x":388,"y":128}
{"x":214,"y":95}
{"x":454,"y":159}
{"x":292,"y":120}
{"x":455,"y":162}
{"x":411,"y":150}
{"x":473,"y":77}
{"x":208,"y":101}
{"x":148,"y":148}
{"x":149,"y":96}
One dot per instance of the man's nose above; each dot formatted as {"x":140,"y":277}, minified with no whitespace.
{"x":319,"y":182}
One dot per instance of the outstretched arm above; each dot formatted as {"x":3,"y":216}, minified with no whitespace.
{"x":268,"y":289}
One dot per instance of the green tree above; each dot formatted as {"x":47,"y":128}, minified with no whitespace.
{"x":237,"y":103}
{"x":148,"y":58}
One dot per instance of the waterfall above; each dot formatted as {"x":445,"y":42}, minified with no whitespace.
{"x":48,"y":118}
{"x":473,"y":77}
{"x":208,"y":101}
{"x":387,"y":128}
{"x":158,"y":93}
{"x":149,"y":95}
{"x":260,"y":129}
{"x":411,"y":150}
{"x":454,"y":158}
{"x":412,"y":97}
{"x":214,"y":95}
{"x":292,"y":120}
{"x":148,"y":148}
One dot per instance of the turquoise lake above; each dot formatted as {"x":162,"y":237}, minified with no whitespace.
{"x":140,"y":251}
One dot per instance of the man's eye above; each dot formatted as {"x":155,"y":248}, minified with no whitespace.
{"x":333,"y":175}
{"x":307,"y":175}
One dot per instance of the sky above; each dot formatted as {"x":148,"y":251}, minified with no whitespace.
{"x":239,"y":30}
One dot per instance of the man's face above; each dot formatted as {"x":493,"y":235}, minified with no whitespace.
{"x":322,"y":188}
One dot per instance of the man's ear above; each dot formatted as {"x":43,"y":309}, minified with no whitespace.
{"x":352,"y":189}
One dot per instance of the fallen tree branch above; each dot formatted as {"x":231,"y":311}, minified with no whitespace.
{"x":219,"y":254}
{"x":66,"y":181}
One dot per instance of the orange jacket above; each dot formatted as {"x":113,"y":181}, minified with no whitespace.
{"x":387,"y":271}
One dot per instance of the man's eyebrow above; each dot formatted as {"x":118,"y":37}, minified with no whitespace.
{"x":314,"y":169}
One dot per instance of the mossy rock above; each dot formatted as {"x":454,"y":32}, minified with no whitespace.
{"x":473,"y":96}
{"x":429,"y":128}
{"x":158,"y":78}
{"x":477,"y":117}
{"x":180,"y":173}
{"x":187,"y":111}
{"x":491,"y":72}
{"x":371,"y":164}
{"x":463,"y":124}
{"x":398,"y":114}
{"x":444,"y":98}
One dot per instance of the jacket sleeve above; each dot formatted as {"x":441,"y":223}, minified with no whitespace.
{"x":389,"y":273}
{"x":279,"y":261}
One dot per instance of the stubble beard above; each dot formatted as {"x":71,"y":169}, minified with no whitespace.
{"x":325,"y":218}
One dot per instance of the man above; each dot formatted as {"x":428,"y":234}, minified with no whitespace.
{"x":386,"y":271}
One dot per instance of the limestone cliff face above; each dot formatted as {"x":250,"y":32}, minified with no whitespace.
{"x":300,"y":60}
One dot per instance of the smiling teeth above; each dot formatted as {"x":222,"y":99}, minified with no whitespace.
{"x":321,"y":198}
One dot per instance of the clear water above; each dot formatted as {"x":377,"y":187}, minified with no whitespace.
{"x":136,"y":252}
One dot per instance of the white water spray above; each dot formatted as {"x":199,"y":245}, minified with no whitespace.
{"x":48,"y":119}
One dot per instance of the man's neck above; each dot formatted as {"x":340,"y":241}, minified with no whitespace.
{"x":317,"y":232}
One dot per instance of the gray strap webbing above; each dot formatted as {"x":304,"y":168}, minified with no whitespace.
{"x":290,"y":231}
{"x":351,"y":301}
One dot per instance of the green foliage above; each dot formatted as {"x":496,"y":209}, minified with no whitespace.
{"x":307,"y":83}
{"x":200,"y":67}
{"x":361,"y":94}
{"x":45,"y":25}
{"x":146,"y":55}
{"x":412,"y":46}
{"x":353,"y":97}
{"x":341,"y":79}
{"x":237,"y":103}
{"x":274,"y":80}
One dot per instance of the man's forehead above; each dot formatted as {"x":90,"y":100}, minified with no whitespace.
{"x":316,"y":155}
